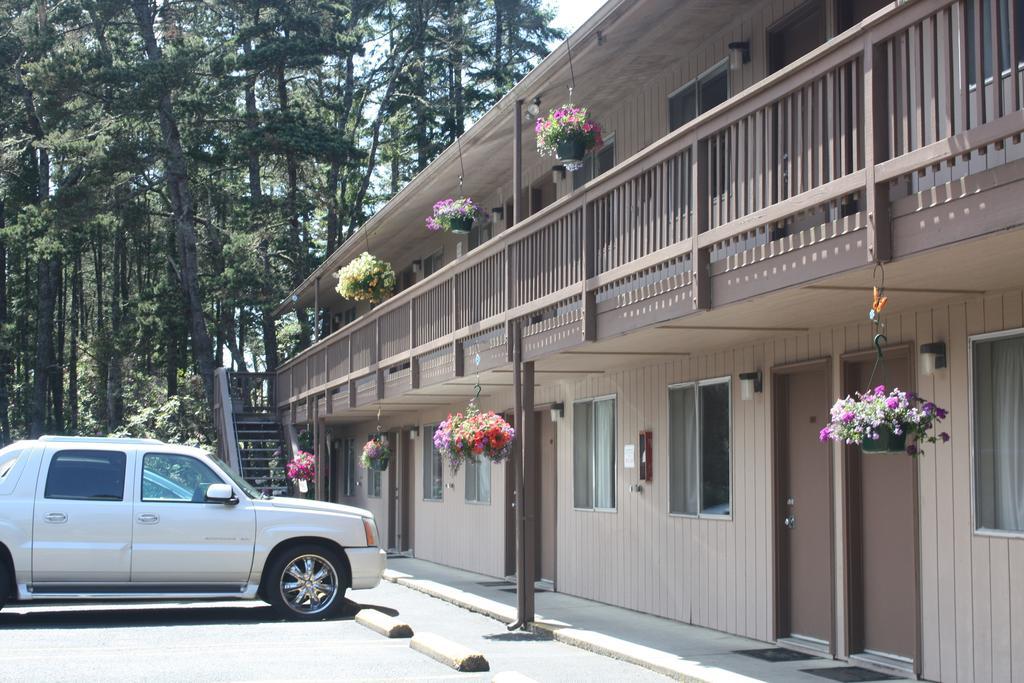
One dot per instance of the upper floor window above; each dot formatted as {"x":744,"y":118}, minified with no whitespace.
{"x":598,"y":161}
{"x":705,"y":93}
{"x":986,"y":36}
{"x":86,"y":475}
{"x":168,"y":477}
{"x":796,"y":34}
{"x":431,"y":264}
{"x":997,"y":385}
{"x":698,"y":444}
{"x":433,"y":467}
{"x":593,"y":454}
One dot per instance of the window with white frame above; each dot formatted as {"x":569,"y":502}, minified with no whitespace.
{"x":698,"y":96}
{"x":348,"y":467}
{"x":478,"y":481}
{"x":997,"y":385}
{"x":699,"y":453}
{"x":433,"y":467}
{"x":593,"y":454}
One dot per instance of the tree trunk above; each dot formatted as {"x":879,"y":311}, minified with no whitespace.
{"x":182,"y":207}
{"x":5,"y":354}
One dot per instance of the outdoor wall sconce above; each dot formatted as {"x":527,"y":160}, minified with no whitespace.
{"x":498,"y":212}
{"x":414,"y":432}
{"x":557,"y":173}
{"x":557,"y":411}
{"x":933,"y":357}
{"x":750,"y":384}
{"x":533,"y":108}
{"x":739,"y":54}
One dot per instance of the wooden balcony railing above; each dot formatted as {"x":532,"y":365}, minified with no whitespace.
{"x":807,"y":156}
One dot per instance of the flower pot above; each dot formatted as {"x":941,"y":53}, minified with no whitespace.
{"x":887,"y":442}
{"x":379,"y":464}
{"x":461,"y":226}
{"x":571,"y":150}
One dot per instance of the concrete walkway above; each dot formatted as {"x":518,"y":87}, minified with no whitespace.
{"x":671,"y":648}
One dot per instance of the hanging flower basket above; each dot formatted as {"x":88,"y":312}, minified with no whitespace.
{"x":376,"y":453}
{"x":466,"y":437}
{"x":454,"y":215}
{"x":880,"y":422}
{"x":568,"y":133}
{"x":366,"y":278}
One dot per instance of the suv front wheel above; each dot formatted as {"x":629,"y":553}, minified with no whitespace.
{"x":306,"y":582}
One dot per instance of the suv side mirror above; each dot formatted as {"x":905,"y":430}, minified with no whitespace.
{"x":221,"y":493}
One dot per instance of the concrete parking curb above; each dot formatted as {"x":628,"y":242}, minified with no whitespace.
{"x":383,"y":624}
{"x":658,"y":661}
{"x":458,"y":657}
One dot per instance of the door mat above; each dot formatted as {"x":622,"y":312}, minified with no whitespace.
{"x":776,"y":654}
{"x":850,"y":674}
{"x":493,"y":584}
{"x":535,"y":590}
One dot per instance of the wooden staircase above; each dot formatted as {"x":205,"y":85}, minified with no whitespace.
{"x":248,"y":431}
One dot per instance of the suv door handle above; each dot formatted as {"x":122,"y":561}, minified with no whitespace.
{"x":55,"y":517}
{"x":148,"y":518}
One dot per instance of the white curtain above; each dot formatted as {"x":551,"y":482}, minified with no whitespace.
{"x":582,"y":475}
{"x":684,"y":484}
{"x":604,"y":454}
{"x":1008,"y":432}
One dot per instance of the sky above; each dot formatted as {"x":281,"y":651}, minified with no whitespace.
{"x":572,"y":13}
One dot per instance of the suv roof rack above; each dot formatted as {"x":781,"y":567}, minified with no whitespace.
{"x":99,"y":439}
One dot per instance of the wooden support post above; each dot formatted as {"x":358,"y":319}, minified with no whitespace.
{"x":589,"y":270}
{"x":351,"y":392}
{"x":517,"y":190}
{"x":522,"y":385}
{"x":380,"y":384}
{"x":459,"y":356}
{"x":876,"y":150}
{"x":414,"y":371}
{"x":528,"y":481}
{"x":316,"y":310}
{"x":700,"y":262}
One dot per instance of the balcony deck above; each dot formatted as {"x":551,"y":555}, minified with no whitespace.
{"x":875,"y":146}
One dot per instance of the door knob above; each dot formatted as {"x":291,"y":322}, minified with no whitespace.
{"x":789,"y":522}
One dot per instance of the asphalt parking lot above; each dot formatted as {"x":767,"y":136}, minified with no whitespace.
{"x":245,"y":641}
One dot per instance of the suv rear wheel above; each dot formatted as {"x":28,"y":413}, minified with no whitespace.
{"x":306,"y":582}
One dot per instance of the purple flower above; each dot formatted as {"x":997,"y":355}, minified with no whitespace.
{"x":892,"y":402}
{"x":880,"y":390}
{"x":940,"y":413}
{"x":912,"y":449}
{"x":825,"y":434}
{"x":944,"y":436}
{"x":848,"y":416}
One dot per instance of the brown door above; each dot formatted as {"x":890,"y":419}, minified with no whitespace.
{"x":804,"y":507}
{"x":546,"y":490}
{"x":390,"y":480}
{"x":796,"y":34}
{"x":403,"y":471}
{"x":881,"y":531}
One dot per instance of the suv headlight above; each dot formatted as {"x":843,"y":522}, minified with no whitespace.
{"x":370,"y":527}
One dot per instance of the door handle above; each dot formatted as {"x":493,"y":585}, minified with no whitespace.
{"x":789,"y":522}
{"x":148,"y":518}
{"x":55,"y":517}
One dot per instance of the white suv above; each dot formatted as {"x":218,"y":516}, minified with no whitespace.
{"x":84,"y":518}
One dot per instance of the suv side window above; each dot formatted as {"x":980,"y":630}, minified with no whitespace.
{"x":86,"y":475}
{"x":172,"y":478}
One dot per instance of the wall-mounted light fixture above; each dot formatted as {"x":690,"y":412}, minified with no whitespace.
{"x":739,"y":54}
{"x":933,"y":357}
{"x":417,"y":267}
{"x":557,"y":173}
{"x":498,"y":212}
{"x":557,"y":411}
{"x":414,"y":432}
{"x":750,"y":384}
{"x":533,"y":108}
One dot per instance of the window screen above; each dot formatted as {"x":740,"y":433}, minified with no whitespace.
{"x":998,"y":390}
{"x":478,"y":481}
{"x":433,"y":467}
{"x":594,"y":454}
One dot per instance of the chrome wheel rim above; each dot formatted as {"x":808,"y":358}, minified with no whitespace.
{"x":309,"y":584}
